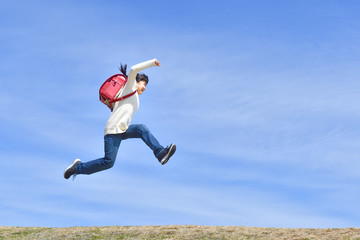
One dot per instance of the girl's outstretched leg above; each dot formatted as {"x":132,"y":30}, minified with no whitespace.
{"x":111,"y":147}
{"x":141,"y":131}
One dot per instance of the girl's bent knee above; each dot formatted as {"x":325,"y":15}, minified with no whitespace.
{"x":143,"y":128}
{"x":108,"y":163}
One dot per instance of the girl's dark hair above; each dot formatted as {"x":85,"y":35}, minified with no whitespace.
{"x":139,"y":77}
{"x":123,"y":68}
{"x":142,"y":77}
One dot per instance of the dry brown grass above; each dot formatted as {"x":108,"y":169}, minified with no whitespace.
{"x":178,"y":232}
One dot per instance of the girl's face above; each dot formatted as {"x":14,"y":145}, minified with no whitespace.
{"x":141,"y":87}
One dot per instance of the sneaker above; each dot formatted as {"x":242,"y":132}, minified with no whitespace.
{"x":169,"y":151}
{"x":71,"y":169}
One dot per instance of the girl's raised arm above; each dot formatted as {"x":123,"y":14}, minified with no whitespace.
{"x":141,"y":66}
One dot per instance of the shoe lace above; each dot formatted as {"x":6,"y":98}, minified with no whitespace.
{"x":74,"y":176}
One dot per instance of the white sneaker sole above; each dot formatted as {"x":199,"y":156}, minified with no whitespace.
{"x":169,"y":154}
{"x":76,"y":161}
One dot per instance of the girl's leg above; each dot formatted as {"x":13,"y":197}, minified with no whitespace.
{"x":141,"y":131}
{"x":111,"y":147}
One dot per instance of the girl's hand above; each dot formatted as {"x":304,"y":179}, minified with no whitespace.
{"x":157,"y":63}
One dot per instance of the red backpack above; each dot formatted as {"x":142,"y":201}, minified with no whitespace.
{"x":111,"y":87}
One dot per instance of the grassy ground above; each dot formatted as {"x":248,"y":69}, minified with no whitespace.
{"x":178,"y":232}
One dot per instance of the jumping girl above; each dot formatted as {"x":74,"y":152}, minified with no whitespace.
{"x":118,"y":126}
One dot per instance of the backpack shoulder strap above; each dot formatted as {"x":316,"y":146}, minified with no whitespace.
{"x":124,"y":97}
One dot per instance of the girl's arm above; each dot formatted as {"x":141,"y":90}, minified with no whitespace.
{"x":141,"y":66}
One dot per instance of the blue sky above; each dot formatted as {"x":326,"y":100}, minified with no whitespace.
{"x":261,"y":98}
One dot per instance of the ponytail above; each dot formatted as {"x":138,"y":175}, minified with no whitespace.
{"x":123,"y":68}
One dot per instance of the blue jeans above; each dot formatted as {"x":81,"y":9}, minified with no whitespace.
{"x":112,"y":144}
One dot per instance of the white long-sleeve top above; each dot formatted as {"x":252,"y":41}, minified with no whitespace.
{"x":124,"y":110}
